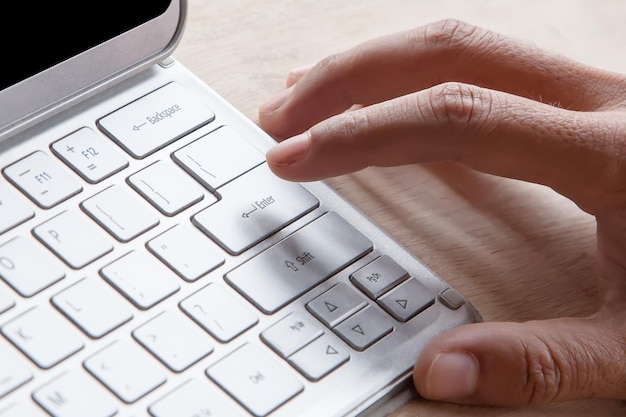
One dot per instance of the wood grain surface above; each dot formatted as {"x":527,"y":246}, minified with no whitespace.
{"x":518,"y":251}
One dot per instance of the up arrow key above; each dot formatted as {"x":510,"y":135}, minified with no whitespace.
{"x":402,"y":303}
{"x":331,"y":307}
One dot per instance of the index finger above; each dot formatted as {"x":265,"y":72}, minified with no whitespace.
{"x":487,"y":130}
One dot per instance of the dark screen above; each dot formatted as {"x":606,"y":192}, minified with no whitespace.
{"x":38,"y":35}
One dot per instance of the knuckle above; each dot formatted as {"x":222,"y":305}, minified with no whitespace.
{"x":451,"y":34}
{"x":329,"y":64}
{"x":353,"y":124}
{"x":348,"y":131}
{"x":448,"y":33}
{"x":566,"y":369}
{"x":344,"y":129}
{"x":334,"y":66}
{"x":331,"y":69}
{"x":462,"y":107}
{"x":544,"y":373}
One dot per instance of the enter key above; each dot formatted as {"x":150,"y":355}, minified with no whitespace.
{"x":253,"y":207}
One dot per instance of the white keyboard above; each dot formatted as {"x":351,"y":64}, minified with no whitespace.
{"x":151,"y":264}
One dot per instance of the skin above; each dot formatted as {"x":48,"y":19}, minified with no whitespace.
{"x":450,"y":91}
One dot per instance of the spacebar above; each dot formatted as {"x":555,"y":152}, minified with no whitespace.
{"x":287,"y":270}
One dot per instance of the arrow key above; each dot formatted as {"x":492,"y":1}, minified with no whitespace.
{"x":319,"y":358}
{"x":336,"y":304}
{"x":407,"y":300}
{"x":364,"y":328}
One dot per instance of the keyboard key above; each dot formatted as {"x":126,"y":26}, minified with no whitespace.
{"x":407,"y":300}
{"x":319,"y":358}
{"x":377,"y":277}
{"x":91,"y":155}
{"x":43,"y":180}
{"x":219,"y":312}
{"x":364,"y":328}
{"x":121,"y":213}
{"x":14,"y":372}
{"x":336,"y":304}
{"x":291,"y":334}
{"x":6,"y":302}
{"x":44,"y":336}
{"x":218,"y":157}
{"x":141,"y":278}
{"x":167,"y":188}
{"x":187,"y":251}
{"x":74,"y":238}
{"x":27,"y":267}
{"x":287,"y":270}
{"x":75,"y":394}
{"x":253,"y":207}
{"x":451,"y":298}
{"x":256,"y":379}
{"x":193,"y":399}
{"x":14,"y":209}
{"x":126,"y":370}
{"x":93,"y":306}
{"x":155,"y":120}
{"x":174,"y":340}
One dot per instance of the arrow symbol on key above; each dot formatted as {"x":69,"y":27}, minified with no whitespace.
{"x":331,"y":307}
{"x":331,"y":350}
{"x":358,"y":329}
{"x":291,"y":265}
{"x":138,"y":127}
{"x":245,"y":215}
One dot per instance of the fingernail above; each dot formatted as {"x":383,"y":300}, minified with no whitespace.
{"x":276,"y":102}
{"x":301,"y":70}
{"x":452,"y":376}
{"x":289,"y":151}
{"x":296,"y":73}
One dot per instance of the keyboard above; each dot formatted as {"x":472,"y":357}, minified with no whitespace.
{"x":152,"y":264}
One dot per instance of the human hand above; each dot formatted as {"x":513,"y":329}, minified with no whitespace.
{"x":452,"y":91}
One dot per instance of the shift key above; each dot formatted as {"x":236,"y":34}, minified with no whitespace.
{"x":287,"y":270}
{"x":155,"y":120}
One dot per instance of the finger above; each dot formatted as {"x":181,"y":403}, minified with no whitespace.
{"x":405,"y":62}
{"x":489,"y":131}
{"x":513,"y":364}
{"x":296,"y":74}
{"x":611,"y":250}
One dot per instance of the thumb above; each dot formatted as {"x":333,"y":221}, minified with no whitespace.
{"x":519,"y":364}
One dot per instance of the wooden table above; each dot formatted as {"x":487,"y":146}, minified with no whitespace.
{"x":518,"y":251}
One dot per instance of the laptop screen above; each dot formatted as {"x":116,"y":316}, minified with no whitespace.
{"x":44,"y":34}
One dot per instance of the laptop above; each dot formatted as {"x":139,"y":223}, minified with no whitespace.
{"x":152,"y":265}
